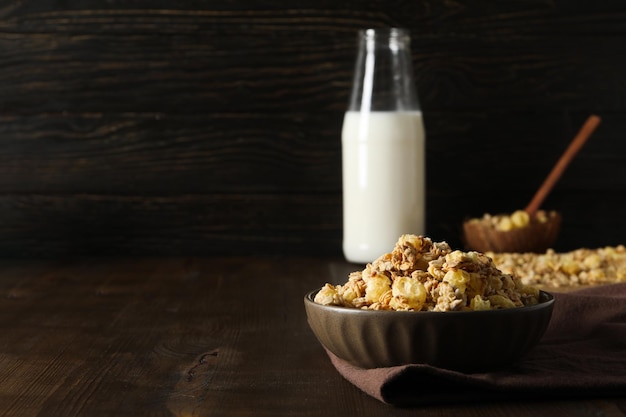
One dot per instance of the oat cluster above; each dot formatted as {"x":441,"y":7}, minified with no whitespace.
{"x":422,"y":275}
{"x":583,"y":266}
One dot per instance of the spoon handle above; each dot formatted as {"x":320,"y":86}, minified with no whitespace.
{"x":579,"y":140}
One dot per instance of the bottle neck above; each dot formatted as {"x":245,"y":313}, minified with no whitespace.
{"x":383,"y":75}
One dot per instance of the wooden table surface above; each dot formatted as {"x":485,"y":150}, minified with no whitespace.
{"x":188,"y":337}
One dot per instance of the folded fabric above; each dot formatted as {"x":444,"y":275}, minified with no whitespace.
{"x":582,"y":353}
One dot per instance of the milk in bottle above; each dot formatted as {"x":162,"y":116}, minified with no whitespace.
{"x":383,"y":144}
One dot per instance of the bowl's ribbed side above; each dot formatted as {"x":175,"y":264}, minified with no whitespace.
{"x":468,"y":341}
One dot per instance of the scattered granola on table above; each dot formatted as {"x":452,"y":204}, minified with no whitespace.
{"x":568,"y":269}
{"x":422,"y":275}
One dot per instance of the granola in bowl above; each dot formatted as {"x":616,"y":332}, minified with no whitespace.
{"x":422,"y":275}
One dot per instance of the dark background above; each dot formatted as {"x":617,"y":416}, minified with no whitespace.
{"x":213,"y":127}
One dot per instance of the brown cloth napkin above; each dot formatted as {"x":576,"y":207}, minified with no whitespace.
{"x":582,"y":353}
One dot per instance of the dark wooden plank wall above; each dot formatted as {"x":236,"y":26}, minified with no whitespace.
{"x":212,"y":127}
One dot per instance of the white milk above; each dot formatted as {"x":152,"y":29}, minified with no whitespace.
{"x":383,"y":181}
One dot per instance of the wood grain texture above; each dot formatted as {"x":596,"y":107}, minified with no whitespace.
{"x":188,"y":337}
{"x":146,"y":127}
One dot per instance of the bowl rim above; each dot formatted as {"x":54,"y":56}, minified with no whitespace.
{"x":546,"y":299}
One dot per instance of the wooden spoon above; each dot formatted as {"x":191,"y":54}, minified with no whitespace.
{"x":577,"y":143}
{"x":541,"y":231}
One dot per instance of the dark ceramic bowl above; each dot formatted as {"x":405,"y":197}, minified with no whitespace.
{"x":467,"y":341}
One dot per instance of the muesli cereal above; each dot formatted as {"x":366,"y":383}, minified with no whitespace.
{"x":583,"y":266}
{"x":517,"y":220}
{"x":422,"y":275}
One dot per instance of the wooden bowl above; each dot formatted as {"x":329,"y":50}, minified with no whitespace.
{"x":538,"y":236}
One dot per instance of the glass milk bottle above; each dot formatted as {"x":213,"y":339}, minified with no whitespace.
{"x":383,"y":144}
